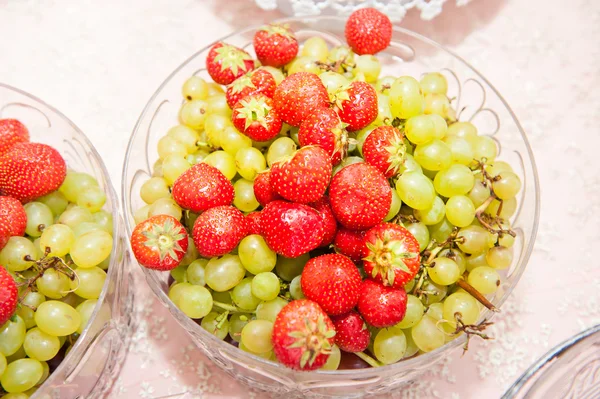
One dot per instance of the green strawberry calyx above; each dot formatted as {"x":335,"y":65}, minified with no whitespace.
{"x":164,"y":239}
{"x":231,"y":57}
{"x":241,"y":83}
{"x":278,"y":29}
{"x":313,"y":338}
{"x":254,"y":109}
{"x":397,"y":153}
{"x":387,"y":256}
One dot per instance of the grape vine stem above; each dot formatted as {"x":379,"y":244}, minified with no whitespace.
{"x":477,"y":295}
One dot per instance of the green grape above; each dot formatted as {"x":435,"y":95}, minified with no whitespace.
{"x":75,"y":182}
{"x":21,"y":375}
{"x":75,"y":215}
{"x":165,"y":206}
{"x":434,"y":292}
{"x":509,"y":207}
{"x":406,"y":99}
{"x":233,"y":141}
{"x":457,"y":256}
{"x":476,"y":239}
{"x":484,"y":147}
{"x":484,"y":279}
{"x":214,"y":88}
{"x":45,"y":376}
{"x":39,"y":216}
{"x":192,"y":252}
{"x":265,"y":286}
{"x":40,"y":346}
{"x":57,"y":318}
{"x":441,"y":231}
{"x":288,"y":268}
{"x":215,"y":126}
{"x":267,"y":355}
{"x":222,"y":161}
{"x":21,"y":395}
{"x":498,"y":167}
{"x":384,"y":84}
{"x":222,"y":274}
{"x":369,"y":65}
{"x":479,"y":193}
{"x":432,"y":215}
{"x":420,"y":232}
{"x":499,"y":257}
{"x":173,"y":166}
{"x":242,"y":295}
{"x":435,"y":311}
{"x":394,"y":207}
{"x":216,"y":324}
{"x":197,"y":157}
{"x":342,"y":55}
{"x":185,"y":136}
{"x":153,"y":189}
{"x":256,"y":336}
{"x":250,"y":162}
{"x":389,"y":345}
{"x":193,"y":114}
{"x":270,"y":309}
{"x":316,"y":48}
{"x":507,"y":186}
{"x":434,"y":82}
{"x":91,"y":249}
{"x":437,"y":104}
{"x":303,"y":64}
{"x":217,"y":104}
{"x":237,"y":322}
{"x":410,"y":165}
{"x":346,"y":162}
{"x":465,"y":130}
{"x":420,"y":129}
{"x":276,"y":72}
{"x":255,"y":254}
{"x":506,"y":240}
{"x":415,"y":190}
{"x":30,"y":302}
{"x":92,"y":199}
{"x":460,"y":305}
{"x":85,"y":310}
{"x":195,"y":301}
{"x":179,"y":274}
{"x":157,"y":168}
{"x":414,"y":312}
{"x":85,"y":227}
{"x":477,"y":260}
{"x":89,"y":283}
{"x":411,"y":347}
{"x":460,"y":210}
{"x":56,"y":201}
{"x":244,"y":198}
{"x":105,"y":220}
{"x":53,"y":284}
{"x":434,"y":156}
{"x":456,"y":180}
{"x":443,"y":271}
{"x":3,"y":364}
{"x":195,"y":272}
{"x":427,"y":335}
{"x":361,"y":136}
{"x":279,"y":149}
{"x":384,"y":113}
{"x":440,"y":126}
{"x":462,"y":152}
{"x":58,"y":237}
{"x":296,"y":288}
{"x":12,"y":335}
{"x":195,"y":88}
{"x":334,"y":359}
{"x":176,"y":291}
{"x":14,"y":253}
{"x":168,"y":145}
{"x":333,"y":81}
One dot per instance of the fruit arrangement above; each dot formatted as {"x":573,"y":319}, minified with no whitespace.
{"x":55,"y":246}
{"x":316,"y":214}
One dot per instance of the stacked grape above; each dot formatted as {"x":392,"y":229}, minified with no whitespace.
{"x":313,"y":211}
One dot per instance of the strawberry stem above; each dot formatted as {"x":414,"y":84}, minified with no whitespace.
{"x":372,"y":362}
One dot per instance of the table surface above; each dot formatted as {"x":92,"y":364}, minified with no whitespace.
{"x":99,"y":62}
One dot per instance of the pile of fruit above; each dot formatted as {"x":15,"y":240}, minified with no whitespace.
{"x":318,"y":215}
{"x":55,"y":245}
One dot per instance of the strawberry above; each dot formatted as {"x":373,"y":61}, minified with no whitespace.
{"x":350,"y":243}
{"x":302,"y":335}
{"x":275,"y":45}
{"x":391,"y":254}
{"x":324,"y":128}
{"x":159,"y":242}
{"x":298,"y":95}
{"x":12,"y":132}
{"x":202,"y":187}
{"x":225,"y":63}
{"x":381,"y":306}
{"x":303,"y":178}
{"x":351,"y":333}
{"x":360,"y":196}
{"x":8,"y":296}
{"x":332,"y":281}
{"x":328,"y":219}
{"x":31,"y":170}
{"x":13,"y":212}
{"x":256,"y":118}
{"x":219,"y":230}
{"x":291,"y":229}
{"x":356,"y":104}
{"x":253,"y":220}
{"x":385,"y":149}
{"x":368,"y":31}
{"x":263,"y":191}
{"x":4,"y":232}
{"x":255,"y":82}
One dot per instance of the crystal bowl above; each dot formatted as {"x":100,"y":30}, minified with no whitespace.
{"x":411,"y":54}
{"x":94,"y":361}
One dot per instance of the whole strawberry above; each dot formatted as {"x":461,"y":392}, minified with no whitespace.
{"x":391,"y":254}
{"x":291,"y":229}
{"x":263,"y":191}
{"x":385,"y":149}
{"x":328,"y":219}
{"x":275,"y":45}
{"x":225,"y":63}
{"x":8,"y":296}
{"x":302,"y":335}
{"x":303,"y":178}
{"x":356,"y":104}
{"x":12,"y":132}
{"x":253,"y":220}
{"x":368,"y":31}
{"x":298,"y":95}
{"x":381,"y":306}
{"x":4,"y":232}
{"x":258,"y":81}
{"x":324,"y":128}
{"x":332,"y":281}
{"x":13,"y":212}
{"x":351,"y":333}
{"x":219,"y":230}
{"x":360,"y":196}
{"x":159,"y":242}
{"x":256,"y":117}
{"x":202,"y":187}
{"x":31,"y":170}
{"x":350,"y":243}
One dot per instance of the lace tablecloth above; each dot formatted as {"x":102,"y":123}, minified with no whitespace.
{"x":100,"y":61}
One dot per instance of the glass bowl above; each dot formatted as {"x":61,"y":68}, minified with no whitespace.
{"x":94,"y":361}
{"x":571,"y":370}
{"x":409,"y":53}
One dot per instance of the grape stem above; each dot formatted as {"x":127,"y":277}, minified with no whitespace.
{"x":368,"y":359}
{"x":470,"y":330}
{"x":479,"y":213}
{"x":231,"y":308}
{"x":477,"y":295}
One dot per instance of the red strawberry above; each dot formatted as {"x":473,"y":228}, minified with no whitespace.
{"x":225,"y":63}
{"x":253,"y":220}
{"x":324,"y":128}
{"x":302,"y":335}
{"x":255,"y":82}
{"x":360,"y":196}
{"x":351,"y":333}
{"x":13,"y":212}
{"x":368,"y":31}
{"x":159,"y":242}
{"x":350,"y":243}
{"x":263,"y":191}
{"x":4,"y":232}
{"x":12,"y":132}
{"x":31,"y":170}
{"x":381,"y":306}
{"x":298,"y":95}
{"x":8,"y":296}
{"x":202,"y":187}
{"x":391,"y":254}
{"x":356,"y":104}
{"x":385,"y":149}
{"x":219,"y":230}
{"x":333,"y":282}
{"x":329,"y":222}
{"x":291,"y":229}
{"x":303,"y":178}
{"x":275,"y":45}
{"x":256,"y":118}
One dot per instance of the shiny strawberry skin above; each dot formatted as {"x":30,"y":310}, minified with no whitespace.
{"x":383,"y":148}
{"x":324,"y":128}
{"x":12,"y":132}
{"x":253,"y":220}
{"x":328,"y":218}
{"x":225,"y":63}
{"x":202,"y":187}
{"x":4,"y":232}
{"x":8,"y":296}
{"x":258,"y":81}
{"x":159,"y":243}
{"x":298,"y":95}
{"x":219,"y":230}
{"x":381,"y":306}
{"x":14,"y":213}
{"x":361,"y":108}
{"x":350,"y":243}
{"x":275,"y":45}
{"x":263,"y":191}
{"x":368,"y":31}
{"x":351,"y":333}
{"x":256,"y":117}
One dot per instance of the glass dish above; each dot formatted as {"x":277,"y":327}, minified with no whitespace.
{"x":94,"y":361}
{"x":411,"y":54}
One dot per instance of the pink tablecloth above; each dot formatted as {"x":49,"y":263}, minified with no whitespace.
{"x":100,"y":61}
